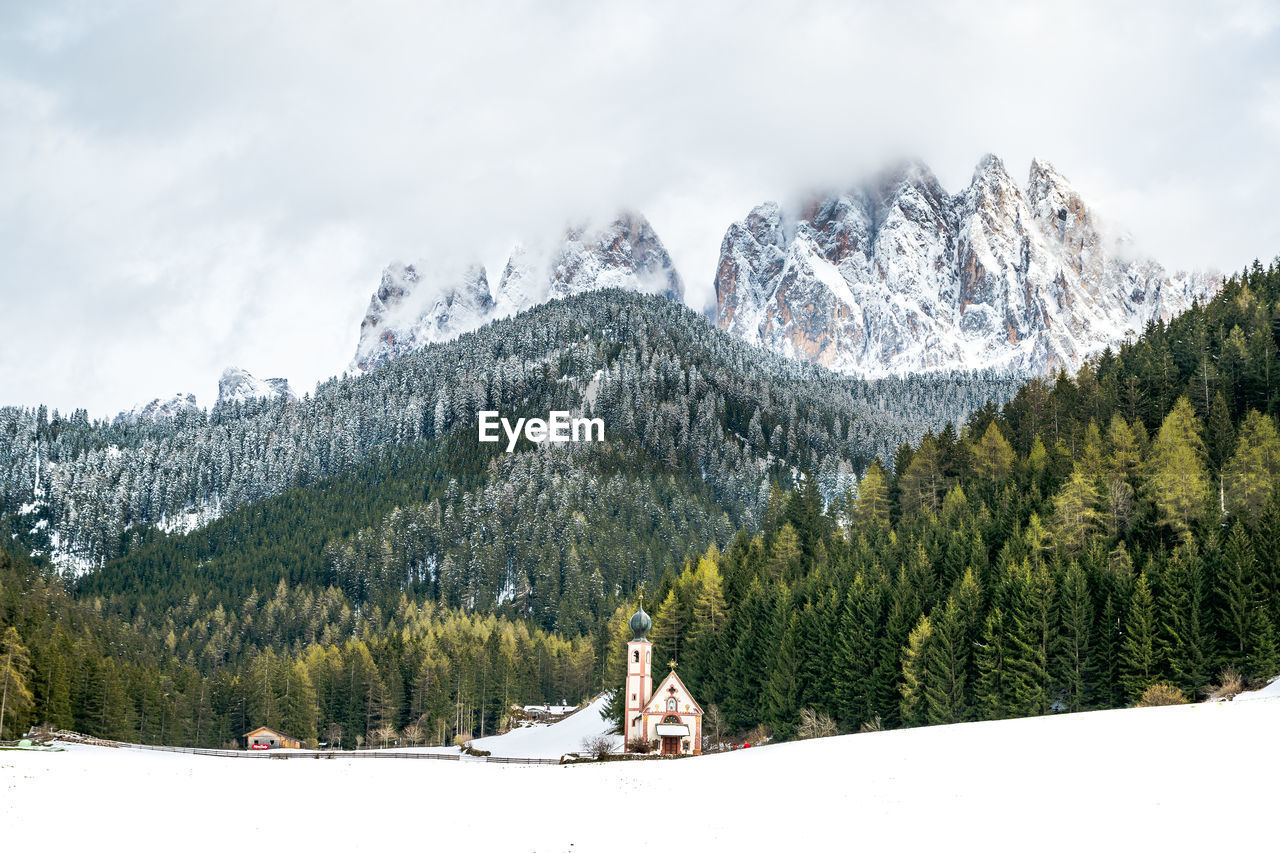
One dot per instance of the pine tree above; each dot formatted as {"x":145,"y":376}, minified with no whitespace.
{"x":1249,"y":477}
{"x":671,"y":624}
{"x":298,"y":711}
{"x":782,"y":688}
{"x":754,"y":632}
{"x":859,"y":692}
{"x":1184,"y":641}
{"x":784,"y":562}
{"x":1030,"y":624}
{"x":1264,"y":656}
{"x":924,"y":482}
{"x":915,"y":674}
{"x":16,"y":698}
{"x":1075,"y":510}
{"x":1122,"y":472}
{"x":1221,"y":434}
{"x":993,"y":692}
{"x":993,"y":457}
{"x":946,"y":663}
{"x":705,"y":647}
{"x":871,"y":511}
{"x":1138,"y":665}
{"x":1236,"y":593}
{"x":1267,"y":547}
{"x":1074,"y":665}
{"x":1178,"y":479}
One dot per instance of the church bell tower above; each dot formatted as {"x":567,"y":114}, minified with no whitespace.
{"x":639,"y":676}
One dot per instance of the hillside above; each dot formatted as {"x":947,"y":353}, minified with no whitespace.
{"x":1192,"y":777}
{"x":553,"y":740}
{"x":1093,"y":538}
{"x":699,"y":426}
{"x":1068,"y":550}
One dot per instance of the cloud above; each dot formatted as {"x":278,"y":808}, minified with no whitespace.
{"x":186,"y":186}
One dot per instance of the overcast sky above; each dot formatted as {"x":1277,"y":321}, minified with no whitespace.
{"x":186,"y":186}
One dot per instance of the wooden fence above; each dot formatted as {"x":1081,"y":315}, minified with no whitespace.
{"x":76,"y":737}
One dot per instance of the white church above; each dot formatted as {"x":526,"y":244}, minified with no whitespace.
{"x":667,"y":719}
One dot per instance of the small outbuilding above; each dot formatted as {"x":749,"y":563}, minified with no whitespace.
{"x":265,"y":738}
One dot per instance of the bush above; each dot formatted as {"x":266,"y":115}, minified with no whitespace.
{"x":815,"y":724}
{"x":1232,"y":684}
{"x":598,"y":746}
{"x":875,"y":724}
{"x":639,"y":746}
{"x":1161,"y":693}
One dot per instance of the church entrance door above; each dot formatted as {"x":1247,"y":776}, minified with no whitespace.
{"x":670,"y":745}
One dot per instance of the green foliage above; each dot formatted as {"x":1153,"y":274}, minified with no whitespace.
{"x":962,"y":582}
{"x":307,"y":665}
{"x":1138,"y":666}
{"x":1250,"y":476}
{"x":1177,"y":475}
{"x":16,"y":698}
{"x":991,"y":590}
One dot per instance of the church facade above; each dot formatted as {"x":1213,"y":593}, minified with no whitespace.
{"x":666,"y":719}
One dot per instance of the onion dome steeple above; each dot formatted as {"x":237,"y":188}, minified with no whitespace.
{"x":640,"y":624}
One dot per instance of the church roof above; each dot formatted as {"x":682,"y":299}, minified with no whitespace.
{"x":657,"y":699}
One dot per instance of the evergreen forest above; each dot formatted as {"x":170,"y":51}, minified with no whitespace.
{"x":907,"y":552}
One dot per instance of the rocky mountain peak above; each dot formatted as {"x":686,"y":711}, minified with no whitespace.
{"x":410,"y":310}
{"x":1054,"y":202}
{"x":900,"y":276}
{"x":238,"y":385}
{"x":624,"y":253}
{"x":160,"y":409}
{"x":418,"y":305}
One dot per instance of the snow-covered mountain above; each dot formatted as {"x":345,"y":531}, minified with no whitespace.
{"x":158,"y":409}
{"x":420,"y":304}
{"x":412,"y":309}
{"x":238,"y":385}
{"x":900,"y":276}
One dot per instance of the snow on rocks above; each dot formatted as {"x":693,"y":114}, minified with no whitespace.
{"x":899,"y":276}
{"x":160,"y":410}
{"x":238,"y":385}
{"x":420,"y":304}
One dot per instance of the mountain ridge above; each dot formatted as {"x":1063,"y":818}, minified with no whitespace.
{"x":897,"y":275}
{"x":415,"y":307}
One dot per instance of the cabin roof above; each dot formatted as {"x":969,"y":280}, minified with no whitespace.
{"x":265,"y":729}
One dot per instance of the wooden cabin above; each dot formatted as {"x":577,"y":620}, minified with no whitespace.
{"x":265,"y":738}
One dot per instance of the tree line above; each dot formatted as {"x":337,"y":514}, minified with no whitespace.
{"x":1096,"y":536}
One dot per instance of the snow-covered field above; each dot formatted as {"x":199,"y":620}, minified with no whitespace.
{"x":552,"y":741}
{"x":1180,"y":778}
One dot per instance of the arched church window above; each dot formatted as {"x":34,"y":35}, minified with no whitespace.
{"x":636,"y":659}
